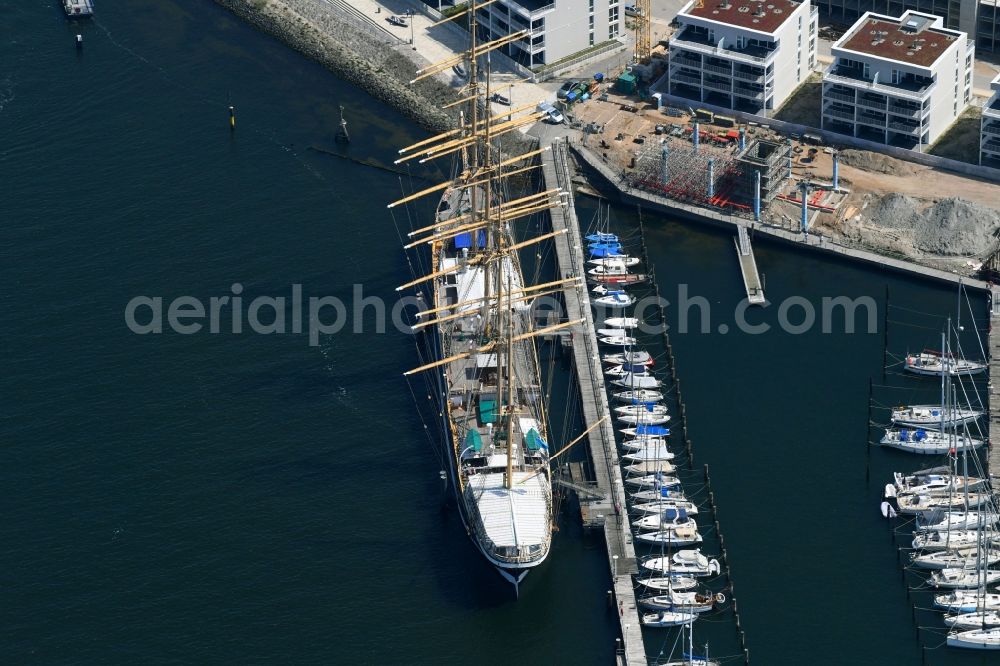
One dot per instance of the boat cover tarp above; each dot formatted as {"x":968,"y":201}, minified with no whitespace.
{"x":465,"y":240}
{"x":651,"y":430}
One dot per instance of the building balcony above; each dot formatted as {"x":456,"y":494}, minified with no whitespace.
{"x":905,"y":111}
{"x":686,"y":58}
{"x":715,"y":69}
{"x":679,"y":77}
{"x":837,"y":113}
{"x":871,"y":103}
{"x":871,"y":121}
{"x":839,"y":97}
{"x":992,"y":108}
{"x":748,"y":76}
{"x":904,"y":128}
{"x":529,"y":8}
{"x":748,"y":94}
{"x":833,"y":75}
{"x":993,"y":146}
{"x":992,"y":127}
{"x":686,"y":39}
{"x":723,"y":86}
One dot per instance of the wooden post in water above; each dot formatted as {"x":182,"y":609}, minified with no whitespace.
{"x":885,"y":331}
{"x":232,"y":118}
{"x":868,"y":435}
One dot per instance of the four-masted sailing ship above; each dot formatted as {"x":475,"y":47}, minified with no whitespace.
{"x":486,"y":369}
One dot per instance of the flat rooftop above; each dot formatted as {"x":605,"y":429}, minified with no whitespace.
{"x":763,"y":15}
{"x":909,"y":39}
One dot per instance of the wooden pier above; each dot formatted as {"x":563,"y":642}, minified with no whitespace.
{"x":603,"y":505}
{"x":993,"y":346}
{"x":748,"y":266}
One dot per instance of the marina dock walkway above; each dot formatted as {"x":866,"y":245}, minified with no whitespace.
{"x":993,"y":346}
{"x":748,"y":266}
{"x":606,"y":507}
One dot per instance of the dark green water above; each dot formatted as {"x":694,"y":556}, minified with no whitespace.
{"x":245,"y":498}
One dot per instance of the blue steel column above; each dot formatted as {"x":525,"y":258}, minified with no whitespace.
{"x":805,"y":207}
{"x":756,"y":196}
{"x":836,"y":172}
{"x":664,"y":170}
{"x":743,"y":138}
{"x":711,"y":178}
{"x":696,"y":132}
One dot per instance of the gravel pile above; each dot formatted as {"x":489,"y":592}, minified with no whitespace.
{"x":946,"y":227}
{"x":875,"y":162}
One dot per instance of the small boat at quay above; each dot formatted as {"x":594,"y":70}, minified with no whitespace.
{"x":927,"y":442}
{"x":951,"y":520}
{"x":966,"y":601}
{"x":648,"y":455}
{"x":914,"y":504}
{"x":643,"y":419}
{"x":637,"y":357}
{"x":976,"y":639}
{"x":935,"y":363}
{"x":953,"y":559}
{"x":669,"y":582}
{"x":643,"y":442}
{"x":617,"y":340}
{"x":688,"y":536}
{"x":638,"y":395}
{"x":653,"y":481}
{"x":683,"y":563}
{"x":935,"y":481}
{"x":662,"y":505}
{"x":621,"y":258}
{"x":668,"y":619}
{"x":952,"y":540}
{"x":688,"y":602}
{"x":976,"y":620}
{"x":651,"y":467}
{"x":932,"y":416}
{"x":634,"y":382}
{"x":622,"y":322}
{"x":963,"y":579}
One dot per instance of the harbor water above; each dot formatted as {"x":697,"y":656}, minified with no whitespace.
{"x":244,"y":497}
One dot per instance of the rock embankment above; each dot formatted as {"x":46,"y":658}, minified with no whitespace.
{"x":317,"y":31}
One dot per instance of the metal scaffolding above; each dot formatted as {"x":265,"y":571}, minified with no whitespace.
{"x":706,"y":175}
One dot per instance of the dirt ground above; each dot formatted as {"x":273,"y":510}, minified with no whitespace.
{"x":961,"y":141}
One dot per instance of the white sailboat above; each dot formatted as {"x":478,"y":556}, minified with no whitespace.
{"x":668,"y":519}
{"x":664,"y":504}
{"x":617,"y":340}
{"x":967,"y":601}
{"x":683,"y":563}
{"x":927,"y":442}
{"x":638,"y":395}
{"x":976,"y":639}
{"x":936,"y":481}
{"x":644,"y":409}
{"x":644,"y":442}
{"x":935,"y":363}
{"x":686,"y":602}
{"x":919,"y":503}
{"x":977,"y":620}
{"x":610,"y":261}
{"x":633,"y":381}
{"x":615,"y":300}
{"x":953,"y":559}
{"x":931,"y":416}
{"x":688,"y":536}
{"x":963,"y":579}
{"x":953,"y":540}
{"x":667,"y":619}
{"x":651,"y":467}
{"x":648,"y":455}
{"x":950,"y":520}
{"x":622,"y":322}
{"x":637,"y":357}
{"x":669,"y":582}
{"x":654,"y":481}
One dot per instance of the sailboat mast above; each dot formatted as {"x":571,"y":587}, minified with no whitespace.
{"x":509,"y":336}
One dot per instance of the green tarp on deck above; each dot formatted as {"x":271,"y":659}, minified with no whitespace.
{"x":488,"y":411}
{"x":533,"y":440}
{"x":474,"y":441}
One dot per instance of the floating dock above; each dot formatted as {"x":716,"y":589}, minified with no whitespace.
{"x":748,"y":266}
{"x":603,"y":504}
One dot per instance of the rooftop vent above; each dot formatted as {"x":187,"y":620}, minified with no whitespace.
{"x":744,"y":9}
{"x":897,"y":42}
{"x":755,"y":20}
{"x":778,"y":10}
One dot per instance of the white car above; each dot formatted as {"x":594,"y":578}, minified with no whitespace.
{"x":551,"y":112}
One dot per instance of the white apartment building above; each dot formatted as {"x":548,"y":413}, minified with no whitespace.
{"x":989,"y":141}
{"x":748,"y":55}
{"x":900,"y":81}
{"x":559,"y":28}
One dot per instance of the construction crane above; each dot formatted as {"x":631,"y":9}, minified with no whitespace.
{"x":643,"y":23}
